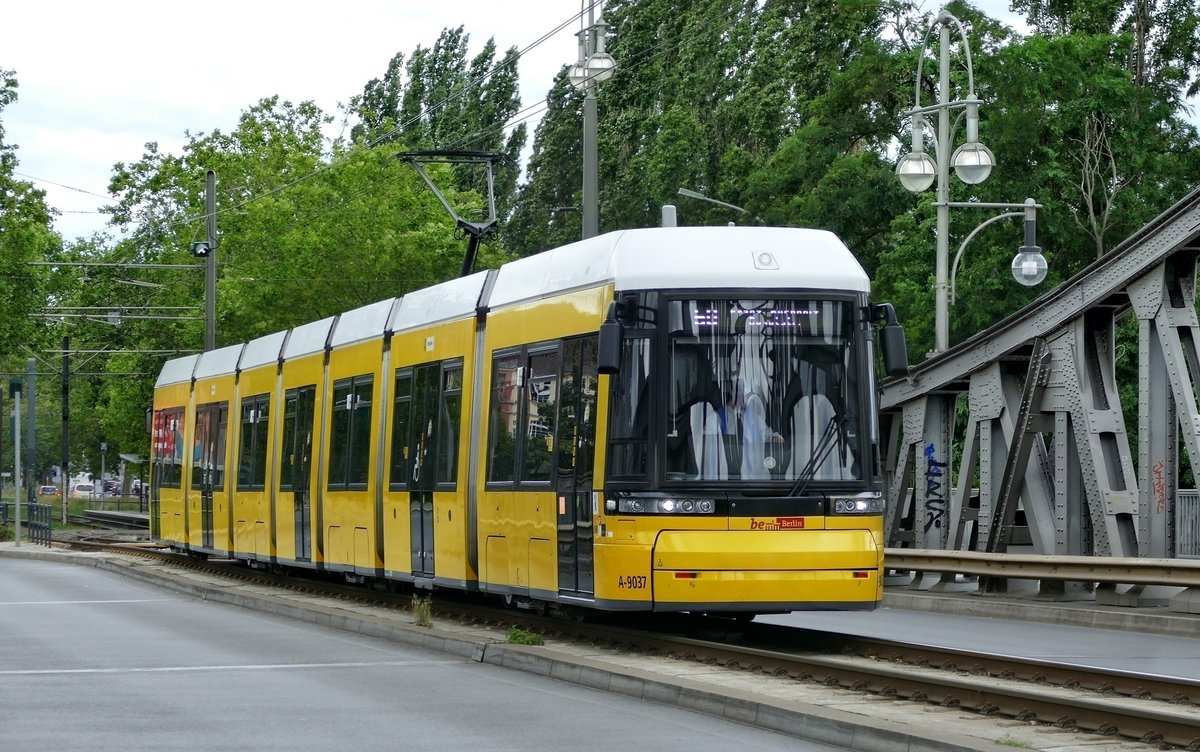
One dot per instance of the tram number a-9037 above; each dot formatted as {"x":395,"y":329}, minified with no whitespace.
{"x":631,"y":582}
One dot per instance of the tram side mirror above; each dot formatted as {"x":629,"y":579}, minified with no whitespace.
{"x":609,"y":355}
{"x":891,"y":340}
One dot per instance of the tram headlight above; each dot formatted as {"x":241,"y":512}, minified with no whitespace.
{"x":633,"y":505}
{"x":864,"y":503}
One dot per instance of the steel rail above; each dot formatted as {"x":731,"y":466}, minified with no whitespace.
{"x":1107,"y":681}
{"x":1124,"y":571}
{"x":1145,"y":720}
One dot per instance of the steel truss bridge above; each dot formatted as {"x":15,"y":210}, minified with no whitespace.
{"x":1047,"y":463}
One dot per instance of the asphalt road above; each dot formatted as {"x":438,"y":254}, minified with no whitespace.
{"x":93,"y":661}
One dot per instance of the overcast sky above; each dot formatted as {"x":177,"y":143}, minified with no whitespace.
{"x":97,"y":81}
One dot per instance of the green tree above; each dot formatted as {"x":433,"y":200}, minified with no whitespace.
{"x":448,"y":103}
{"x":26,"y":235}
{"x":307,"y":229}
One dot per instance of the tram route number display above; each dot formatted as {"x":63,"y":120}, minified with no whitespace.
{"x":631,"y":582}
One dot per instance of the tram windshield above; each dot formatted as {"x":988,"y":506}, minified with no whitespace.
{"x":762,"y":390}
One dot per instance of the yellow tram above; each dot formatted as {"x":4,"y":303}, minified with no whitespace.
{"x":666,"y":419}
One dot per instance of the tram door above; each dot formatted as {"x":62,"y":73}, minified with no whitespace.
{"x":423,"y":441}
{"x":297,"y":450}
{"x":576,"y":455}
{"x":208,"y":462}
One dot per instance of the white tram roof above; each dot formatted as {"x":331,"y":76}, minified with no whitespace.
{"x":443,"y":302}
{"x":362,"y":323}
{"x":687,"y":258}
{"x":261,"y":351}
{"x":307,"y":339}
{"x":218,"y":362}
{"x":177,"y":370}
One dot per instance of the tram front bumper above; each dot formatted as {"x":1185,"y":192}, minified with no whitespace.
{"x":761,"y":571}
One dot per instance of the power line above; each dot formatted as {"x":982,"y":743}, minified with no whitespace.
{"x":68,"y":187}
{"x":459,"y":92}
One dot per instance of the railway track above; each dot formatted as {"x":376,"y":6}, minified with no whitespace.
{"x":1157,"y":710}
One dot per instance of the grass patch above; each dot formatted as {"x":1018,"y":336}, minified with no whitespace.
{"x":422,"y":611}
{"x":1012,"y":741}
{"x":518,"y":636}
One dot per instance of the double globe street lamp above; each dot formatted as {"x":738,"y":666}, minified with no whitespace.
{"x":972,"y":162}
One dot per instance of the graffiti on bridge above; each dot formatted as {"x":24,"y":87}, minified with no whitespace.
{"x":935,"y":493}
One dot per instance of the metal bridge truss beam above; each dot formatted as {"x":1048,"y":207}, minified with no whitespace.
{"x":1168,"y":368}
{"x":920,"y":445}
{"x":993,"y":399}
{"x":1083,"y":386}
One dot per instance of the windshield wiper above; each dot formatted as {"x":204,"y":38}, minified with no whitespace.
{"x":820,"y":453}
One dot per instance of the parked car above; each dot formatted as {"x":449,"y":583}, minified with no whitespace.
{"x":82,"y":491}
{"x":49,"y":491}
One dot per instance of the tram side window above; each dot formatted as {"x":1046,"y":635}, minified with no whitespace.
{"x":252,"y":452}
{"x":425,"y":426}
{"x":505,"y":408}
{"x":208,"y":446}
{"x":350,"y":438}
{"x":629,"y":423}
{"x":168,"y":447}
{"x":541,"y":415}
{"x":523,"y":414}
{"x":450,"y":416}
{"x":400,"y":471}
{"x":577,"y":413}
{"x":297,"y":438}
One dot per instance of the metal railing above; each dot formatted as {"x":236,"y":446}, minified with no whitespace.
{"x":1098,"y":569}
{"x":35,"y":518}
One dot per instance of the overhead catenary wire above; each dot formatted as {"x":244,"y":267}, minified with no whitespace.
{"x":459,"y":92}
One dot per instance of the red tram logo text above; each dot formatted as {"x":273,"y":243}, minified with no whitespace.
{"x":779,"y":523}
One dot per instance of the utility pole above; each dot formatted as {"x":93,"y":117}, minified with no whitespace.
{"x":31,"y":435}
{"x":594,"y":66}
{"x":64,"y":479}
{"x":210,"y":269}
{"x":15,"y":389}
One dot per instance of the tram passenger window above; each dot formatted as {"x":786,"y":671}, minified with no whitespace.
{"x":541,"y":414}
{"x":208,"y":446}
{"x":350,"y":434}
{"x":339,"y":438}
{"x":220,"y":446}
{"x":450,"y":416}
{"x":577,"y":413}
{"x":296,"y":451}
{"x":168,"y":447}
{"x":252,"y":452}
{"x":400,"y":473}
{"x":504,"y":409}
{"x":287,"y":454}
{"x":360,"y":434}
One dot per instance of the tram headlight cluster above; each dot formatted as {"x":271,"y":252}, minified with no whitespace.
{"x":864,"y":503}
{"x":635,"y":505}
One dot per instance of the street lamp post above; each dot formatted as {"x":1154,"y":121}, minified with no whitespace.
{"x":593,"y":67}
{"x":972,"y":163}
{"x":917,"y":171}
